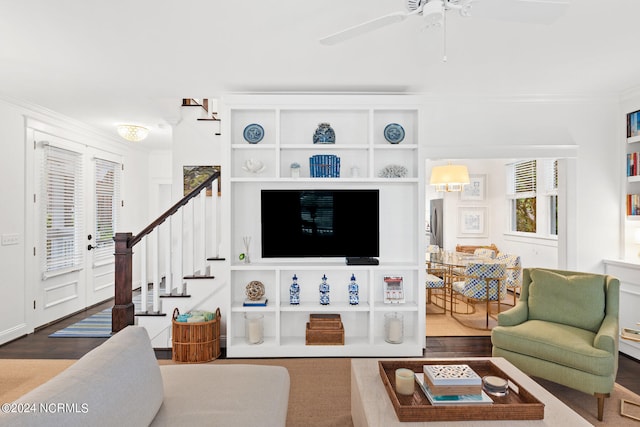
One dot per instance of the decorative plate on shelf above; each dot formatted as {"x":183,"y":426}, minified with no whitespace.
{"x":253,"y":133}
{"x":394,"y":133}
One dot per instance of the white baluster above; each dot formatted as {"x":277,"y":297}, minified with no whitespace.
{"x":168,"y":280}
{"x":156,"y":269}
{"x":194,"y":241}
{"x":144,"y":281}
{"x":203,"y":233}
{"x":214,"y":219}
{"x":179,"y":251}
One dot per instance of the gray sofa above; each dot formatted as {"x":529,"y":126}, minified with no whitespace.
{"x":121,"y":384}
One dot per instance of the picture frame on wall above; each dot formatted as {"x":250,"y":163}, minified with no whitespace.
{"x":476,"y":189}
{"x":472,"y":222}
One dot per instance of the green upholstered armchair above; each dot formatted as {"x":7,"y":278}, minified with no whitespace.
{"x":564,"y":329}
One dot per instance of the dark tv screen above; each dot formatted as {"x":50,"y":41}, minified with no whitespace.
{"x":320,"y":223}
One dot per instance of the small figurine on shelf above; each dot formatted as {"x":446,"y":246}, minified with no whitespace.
{"x":354,"y":299}
{"x":324,"y":291}
{"x":294,"y":292}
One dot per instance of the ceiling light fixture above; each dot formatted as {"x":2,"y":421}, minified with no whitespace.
{"x":449,"y":177}
{"x":133,"y":133}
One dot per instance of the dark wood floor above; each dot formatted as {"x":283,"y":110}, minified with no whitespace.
{"x":39,"y":346}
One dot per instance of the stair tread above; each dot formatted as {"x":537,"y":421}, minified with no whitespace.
{"x":175,"y":296}
{"x":216,"y":259}
{"x":150,"y":314}
{"x":199,"y":277}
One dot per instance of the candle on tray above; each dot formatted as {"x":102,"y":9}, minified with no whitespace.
{"x":404,"y":381}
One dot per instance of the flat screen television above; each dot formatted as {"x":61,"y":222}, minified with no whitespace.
{"x":320,"y":223}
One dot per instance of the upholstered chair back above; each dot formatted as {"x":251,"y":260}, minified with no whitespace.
{"x":514,"y":269}
{"x":475,"y":285}
{"x":485,"y":253}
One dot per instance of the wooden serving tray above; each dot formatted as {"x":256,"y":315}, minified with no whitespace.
{"x":520,"y":405}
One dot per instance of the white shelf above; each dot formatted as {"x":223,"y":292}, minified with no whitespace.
{"x":324,"y":147}
{"x":239,"y":308}
{"x":360,"y":144}
{"x":257,"y":146}
{"x":330,"y":180}
{"x":633,"y":139}
{"x":381,"y":306}
{"x":331,"y":308}
{"x":635,"y":178}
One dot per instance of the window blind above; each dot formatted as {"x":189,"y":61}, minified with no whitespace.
{"x":62,"y":209}
{"x":550,"y":171}
{"x":107,"y":203}
{"x":522,"y":179}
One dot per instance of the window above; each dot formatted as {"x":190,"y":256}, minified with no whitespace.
{"x":107,"y":187}
{"x":533,"y":196}
{"x":62,"y":209}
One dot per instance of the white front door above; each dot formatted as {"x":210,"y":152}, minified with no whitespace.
{"x":76,"y":202}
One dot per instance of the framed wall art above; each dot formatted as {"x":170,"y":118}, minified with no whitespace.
{"x":476,"y":190}
{"x":472,"y":222}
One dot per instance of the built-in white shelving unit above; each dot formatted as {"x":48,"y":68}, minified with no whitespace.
{"x":289,"y":122}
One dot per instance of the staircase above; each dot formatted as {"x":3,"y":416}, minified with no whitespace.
{"x":172,"y":253}
{"x":206,"y":105}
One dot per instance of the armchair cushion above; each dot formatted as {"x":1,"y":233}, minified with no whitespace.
{"x":560,"y":344}
{"x":561,"y":299}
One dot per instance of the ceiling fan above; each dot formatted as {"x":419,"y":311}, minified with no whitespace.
{"x":433,"y":13}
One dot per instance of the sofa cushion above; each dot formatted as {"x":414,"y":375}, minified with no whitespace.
{"x":224,"y":395}
{"x":116,"y":384}
{"x":557,"y":343}
{"x":562,"y":299}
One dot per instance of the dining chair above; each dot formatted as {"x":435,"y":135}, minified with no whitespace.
{"x":514,"y":272}
{"x":482,"y":282}
{"x":485,"y":253}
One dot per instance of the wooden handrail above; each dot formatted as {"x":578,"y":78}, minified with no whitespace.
{"x":122,"y":313}
{"x":173,"y":209}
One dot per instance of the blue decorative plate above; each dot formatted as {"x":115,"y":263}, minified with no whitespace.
{"x":394,"y":133}
{"x":253,"y":133}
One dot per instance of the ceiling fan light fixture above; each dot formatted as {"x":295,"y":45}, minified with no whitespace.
{"x":133,"y":133}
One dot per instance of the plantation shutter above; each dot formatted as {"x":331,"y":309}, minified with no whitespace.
{"x":550,"y":171}
{"x":107,"y":200}
{"x":62,"y":209}
{"x":522,"y":182}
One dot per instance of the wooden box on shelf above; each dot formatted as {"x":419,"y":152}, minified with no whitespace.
{"x":324,"y":329}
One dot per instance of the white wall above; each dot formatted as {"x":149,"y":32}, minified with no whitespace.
{"x":533,"y":252}
{"x":510,"y":127}
{"x":16,"y":304}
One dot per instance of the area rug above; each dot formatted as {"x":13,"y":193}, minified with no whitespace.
{"x":320,"y":389}
{"x":95,"y":326}
{"x":463,"y":325}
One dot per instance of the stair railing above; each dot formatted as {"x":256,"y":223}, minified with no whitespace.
{"x":123,"y":312}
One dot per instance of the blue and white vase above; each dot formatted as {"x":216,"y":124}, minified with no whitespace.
{"x":324,"y":134}
{"x":324,"y":291}
{"x":294,"y":292}
{"x":354,"y":298}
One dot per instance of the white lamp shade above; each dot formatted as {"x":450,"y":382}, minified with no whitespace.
{"x":133,"y":133}
{"x":449,"y":177}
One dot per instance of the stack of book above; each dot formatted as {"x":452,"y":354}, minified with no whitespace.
{"x":324,"y":166}
{"x":452,"y":384}
{"x":261,"y":302}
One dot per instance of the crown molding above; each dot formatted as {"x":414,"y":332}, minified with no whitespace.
{"x":55,"y":119}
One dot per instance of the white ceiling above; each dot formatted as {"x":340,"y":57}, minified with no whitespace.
{"x":122,"y":61}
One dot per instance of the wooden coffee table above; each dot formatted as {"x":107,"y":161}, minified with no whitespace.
{"x":371,"y":406}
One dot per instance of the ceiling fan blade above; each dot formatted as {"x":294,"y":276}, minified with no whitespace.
{"x":365,"y":27}
{"x":525,"y":11}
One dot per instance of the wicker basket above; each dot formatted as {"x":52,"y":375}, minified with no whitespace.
{"x":196,"y":342}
